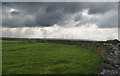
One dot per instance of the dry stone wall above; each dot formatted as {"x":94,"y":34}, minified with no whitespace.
{"x":111,"y":63}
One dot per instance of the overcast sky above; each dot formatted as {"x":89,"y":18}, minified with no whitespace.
{"x":78,"y":20}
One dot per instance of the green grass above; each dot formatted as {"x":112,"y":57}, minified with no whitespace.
{"x":21,"y":57}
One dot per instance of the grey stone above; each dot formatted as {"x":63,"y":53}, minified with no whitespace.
{"x":112,"y":60}
{"x":117,"y":53}
{"x":106,"y":71}
{"x":107,"y":66}
{"x":112,"y":55}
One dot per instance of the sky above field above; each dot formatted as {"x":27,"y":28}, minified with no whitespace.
{"x":69,"y":20}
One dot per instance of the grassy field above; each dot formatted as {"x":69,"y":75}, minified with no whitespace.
{"x":21,"y":57}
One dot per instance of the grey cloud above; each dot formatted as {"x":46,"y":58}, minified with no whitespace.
{"x":108,"y":20}
{"x":32,"y":14}
{"x":86,"y":21}
{"x":78,"y":17}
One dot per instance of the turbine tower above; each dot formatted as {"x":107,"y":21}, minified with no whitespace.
{"x":44,"y":32}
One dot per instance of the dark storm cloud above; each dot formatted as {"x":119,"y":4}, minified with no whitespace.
{"x":97,"y":8}
{"x":49,"y":13}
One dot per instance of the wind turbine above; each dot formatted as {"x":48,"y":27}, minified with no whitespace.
{"x":44,"y":32}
